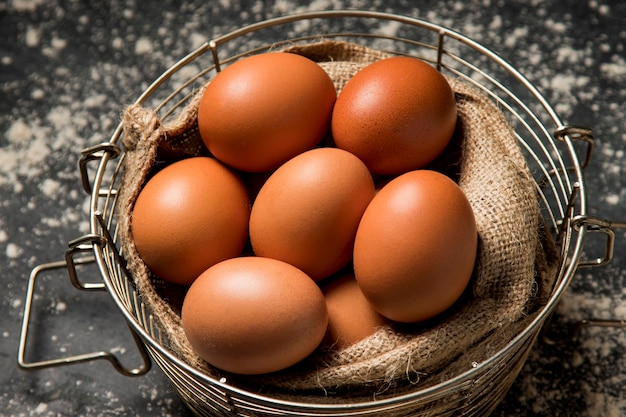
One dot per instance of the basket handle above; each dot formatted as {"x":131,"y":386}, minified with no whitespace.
{"x":93,"y":153}
{"x":599,"y":225}
{"x":592,"y":225}
{"x":78,"y":246}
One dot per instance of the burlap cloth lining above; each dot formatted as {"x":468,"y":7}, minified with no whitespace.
{"x":513,"y":276}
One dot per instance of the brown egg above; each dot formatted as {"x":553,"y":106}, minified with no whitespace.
{"x":264,"y":109}
{"x":416,"y":245}
{"x":189,"y":216}
{"x":308,"y":211}
{"x":254,"y":315}
{"x":351,"y":318}
{"x":397,"y":114}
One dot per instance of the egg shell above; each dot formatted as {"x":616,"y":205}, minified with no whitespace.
{"x":308,"y":211}
{"x":189,"y":216}
{"x":264,"y":109}
{"x":351,"y":318}
{"x":254,"y":315}
{"x":397,"y":114}
{"x":416,"y":246}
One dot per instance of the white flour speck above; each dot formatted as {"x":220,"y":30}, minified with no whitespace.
{"x":196,"y":39}
{"x":600,"y":404}
{"x":604,"y":10}
{"x":390,"y":28}
{"x":496,"y":23}
{"x":615,"y":69}
{"x":620,"y":310}
{"x":612,"y":199}
{"x":58,"y":43}
{"x":19,"y":131}
{"x":37,"y":94}
{"x":50,"y":187}
{"x":32,"y":37}
{"x":14,"y":251}
{"x":558,"y":27}
{"x":94,"y":101}
{"x":59,"y":116}
{"x":143,"y":46}
{"x":517,"y":33}
{"x":567,"y":54}
{"x":26,"y":5}
{"x":117,"y":43}
{"x":41,"y":408}
{"x":51,"y":222}
{"x":563,"y":83}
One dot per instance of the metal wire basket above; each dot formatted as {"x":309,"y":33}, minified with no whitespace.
{"x":555,"y":153}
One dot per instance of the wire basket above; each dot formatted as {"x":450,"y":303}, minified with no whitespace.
{"x":556,"y":155}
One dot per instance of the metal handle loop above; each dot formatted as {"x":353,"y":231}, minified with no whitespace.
{"x":594,"y":225}
{"x":92,"y":153}
{"x":80,"y":358}
{"x":83,"y":244}
{"x":581,"y":133}
{"x":598,"y":225}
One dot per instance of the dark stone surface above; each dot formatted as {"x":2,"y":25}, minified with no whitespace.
{"x":67,"y":69}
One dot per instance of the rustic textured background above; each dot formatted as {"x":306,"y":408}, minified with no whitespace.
{"x":67,"y":69}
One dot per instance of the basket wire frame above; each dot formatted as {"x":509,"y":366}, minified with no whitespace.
{"x":555,"y":162}
{"x":552,"y":151}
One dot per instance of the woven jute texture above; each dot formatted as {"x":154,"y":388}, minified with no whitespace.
{"x":513,"y":274}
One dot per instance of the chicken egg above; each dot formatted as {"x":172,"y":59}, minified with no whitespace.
{"x":397,"y":114}
{"x":416,"y":246}
{"x":189,"y":216}
{"x":253,"y":315}
{"x":308,"y":211}
{"x":351,"y":318}
{"x":264,"y":109}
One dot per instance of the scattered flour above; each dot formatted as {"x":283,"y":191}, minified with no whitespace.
{"x":511,"y":40}
{"x":390,"y":28}
{"x":118,"y":43}
{"x":32,"y":37}
{"x":615,"y":69}
{"x":41,"y":408}
{"x":19,"y":132}
{"x":50,"y":187}
{"x":143,"y":46}
{"x":26,"y":5}
{"x":14,"y":251}
{"x":612,"y":199}
{"x":599,"y":404}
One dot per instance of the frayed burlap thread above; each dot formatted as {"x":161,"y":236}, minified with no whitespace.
{"x":513,"y":274}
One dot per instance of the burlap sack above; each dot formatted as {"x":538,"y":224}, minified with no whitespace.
{"x":514,"y":270}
